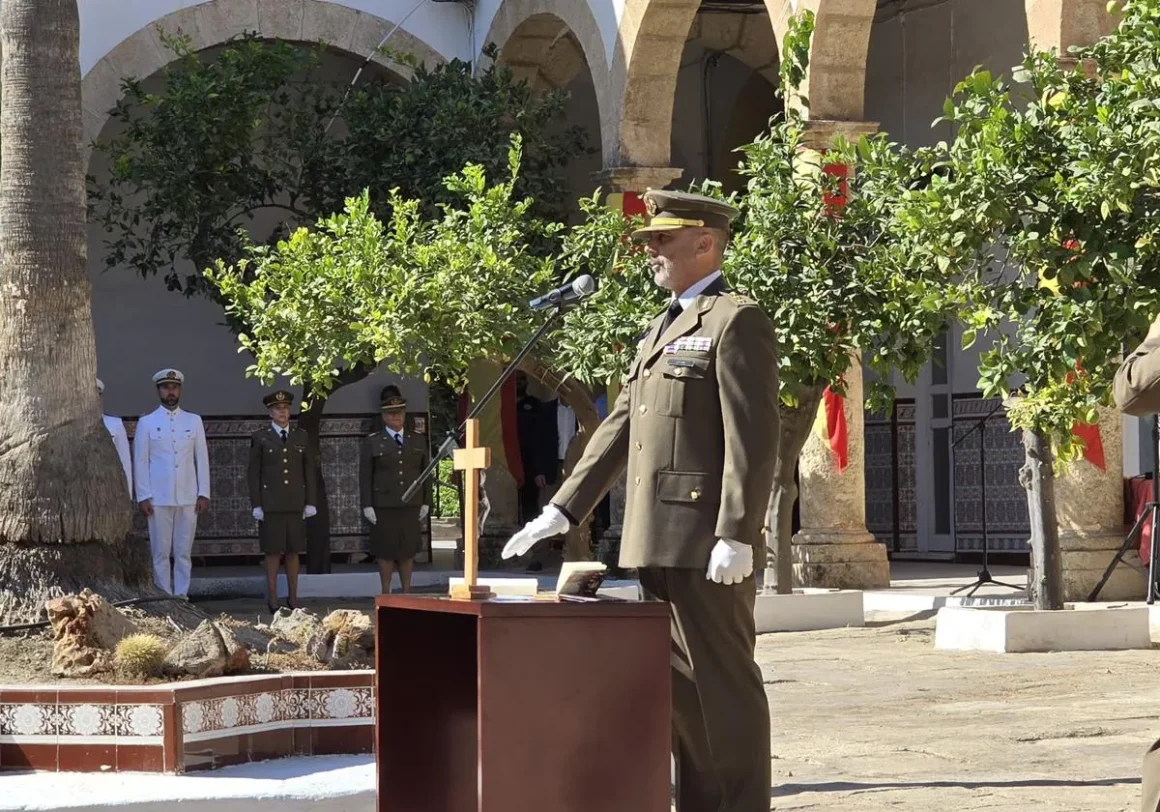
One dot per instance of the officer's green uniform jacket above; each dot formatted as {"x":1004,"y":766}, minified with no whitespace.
{"x":386,"y":471}
{"x":696,"y":425}
{"x":1137,"y":385}
{"x":281,"y":476}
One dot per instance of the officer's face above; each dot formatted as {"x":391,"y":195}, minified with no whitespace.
{"x":395,"y":419}
{"x":675,"y":257}
{"x":170,"y":394}
{"x":280,"y":413}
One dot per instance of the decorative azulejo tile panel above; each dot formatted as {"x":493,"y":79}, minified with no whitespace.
{"x":80,"y":723}
{"x":295,"y":707}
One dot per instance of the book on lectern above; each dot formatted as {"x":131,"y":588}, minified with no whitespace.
{"x":580,"y":579}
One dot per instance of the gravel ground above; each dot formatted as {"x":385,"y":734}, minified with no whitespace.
{"x":876,"y":719}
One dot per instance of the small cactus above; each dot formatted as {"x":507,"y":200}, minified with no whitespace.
{"x":140,"y":655}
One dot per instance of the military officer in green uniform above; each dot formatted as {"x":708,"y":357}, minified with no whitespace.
{"x":283,"y":492}
{"x":391,"y":460}
{"x":1137,"y":392}
{"x":696,"y":427}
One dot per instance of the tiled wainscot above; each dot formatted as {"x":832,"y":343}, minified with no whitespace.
{"x":186,"y":726}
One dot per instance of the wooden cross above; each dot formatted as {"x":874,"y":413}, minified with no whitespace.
{"x":471,"y":459}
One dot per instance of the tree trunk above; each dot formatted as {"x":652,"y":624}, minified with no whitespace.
{"x":318,"y":526}
{"x":794,"y":426}
{"x":1045,"y":581}
{"x":61,"y":482}
{"x":310,"y":421}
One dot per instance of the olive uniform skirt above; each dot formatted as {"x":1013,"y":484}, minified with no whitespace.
{"x":282,"y":532}
{"x":395,"y":536}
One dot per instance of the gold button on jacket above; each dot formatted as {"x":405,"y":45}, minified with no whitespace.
{"x":707,"y":420}
{"x":282,"y":478}
{"x":386,"y":470}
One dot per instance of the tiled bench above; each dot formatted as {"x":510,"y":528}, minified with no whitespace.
{"x":186,"y":726}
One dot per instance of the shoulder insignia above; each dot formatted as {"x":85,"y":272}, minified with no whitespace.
{"x":739,"y":298}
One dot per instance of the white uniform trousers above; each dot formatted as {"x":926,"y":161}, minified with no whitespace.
{"x":171,"y":529}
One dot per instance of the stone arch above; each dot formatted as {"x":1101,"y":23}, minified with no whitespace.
{"x":648,"y":51}
{"x":549,"y":41}
{"x":213,"y":23}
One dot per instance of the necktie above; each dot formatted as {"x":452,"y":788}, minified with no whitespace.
{"x":399,"y":440}
{"x":675,"y":310}
{"x":283,"y":433}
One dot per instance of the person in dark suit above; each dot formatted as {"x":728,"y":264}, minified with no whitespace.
{"x":283,"y":491}
{"x":696,"y":427}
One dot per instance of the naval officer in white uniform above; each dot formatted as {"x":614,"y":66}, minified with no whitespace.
{"x":116,"y":428}
{"x":171,"y":461}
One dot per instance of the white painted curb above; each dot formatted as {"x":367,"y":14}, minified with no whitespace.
{"x":808,"y":610}
{"x":1022,"y":629}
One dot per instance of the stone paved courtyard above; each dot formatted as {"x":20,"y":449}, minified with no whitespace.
{"x":876,"y":719}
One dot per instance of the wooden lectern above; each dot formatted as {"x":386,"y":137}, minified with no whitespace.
{"x":493,"y":704}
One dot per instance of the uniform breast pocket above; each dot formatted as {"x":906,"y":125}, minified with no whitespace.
{"x":681,"y":380}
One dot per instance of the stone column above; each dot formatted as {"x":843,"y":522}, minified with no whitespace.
{"x":833,"y":547}
{"x":1089,"y":507}
{"x":625,"y":180}
{"x":637,"y":179}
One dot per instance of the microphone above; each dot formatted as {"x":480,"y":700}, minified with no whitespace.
{"x":577,"y":289}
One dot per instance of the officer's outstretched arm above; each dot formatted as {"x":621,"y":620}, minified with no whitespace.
{"x":748,"y":388}
{"x":603,"y":462}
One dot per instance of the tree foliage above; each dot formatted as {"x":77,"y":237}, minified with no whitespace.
{"x":1046,"y":205}
{"x":427,"y":296}
{"x":257,"y":127}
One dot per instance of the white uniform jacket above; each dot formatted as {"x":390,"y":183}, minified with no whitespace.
{"x":170,"y":458}
{"x":116,"y":429}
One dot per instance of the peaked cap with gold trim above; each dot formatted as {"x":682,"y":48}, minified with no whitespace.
{"x":280,"y":396}
{"x":168,"y":376}
{"x":391,"y":399}
{"x":669,"y":211}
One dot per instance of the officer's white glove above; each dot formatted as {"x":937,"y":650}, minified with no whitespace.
{"x":370,"y":514}
{"x":549,"y":523}
{"x":259,"y":514}
{"x":731,"y":562}
{"x":423,"y":511}
{"x":311,"y":510}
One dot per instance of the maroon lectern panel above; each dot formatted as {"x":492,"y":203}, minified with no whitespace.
{"x":507,"y":706}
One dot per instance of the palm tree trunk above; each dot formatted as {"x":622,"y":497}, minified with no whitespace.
{"x":60,"y":479}
{"x":793,"y":430}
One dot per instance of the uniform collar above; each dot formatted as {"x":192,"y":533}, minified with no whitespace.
{"x":393,"y":434}
{"x":163,"y":411}
{"x":697,"y":288}
{"x":278,"y":429}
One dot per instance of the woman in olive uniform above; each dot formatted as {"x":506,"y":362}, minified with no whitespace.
{"x":391,"y":460}
{"x":282,"y":492}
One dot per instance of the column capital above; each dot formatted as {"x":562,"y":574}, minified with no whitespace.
{"x":820,"y":134}
{"x":636,"y":178}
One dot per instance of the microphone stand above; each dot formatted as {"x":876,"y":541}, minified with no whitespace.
{"x":984,"y":576}
{"x":452,"y":440}
{"x":1150,"y":513}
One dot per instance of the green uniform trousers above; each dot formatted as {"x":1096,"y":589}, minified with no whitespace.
{"x":720,"y":711}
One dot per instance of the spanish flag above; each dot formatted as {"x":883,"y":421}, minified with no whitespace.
{"x":628,"y":203}
{"x":830,"y":426}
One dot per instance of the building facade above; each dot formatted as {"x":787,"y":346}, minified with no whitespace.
{"x":667,"y":89}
